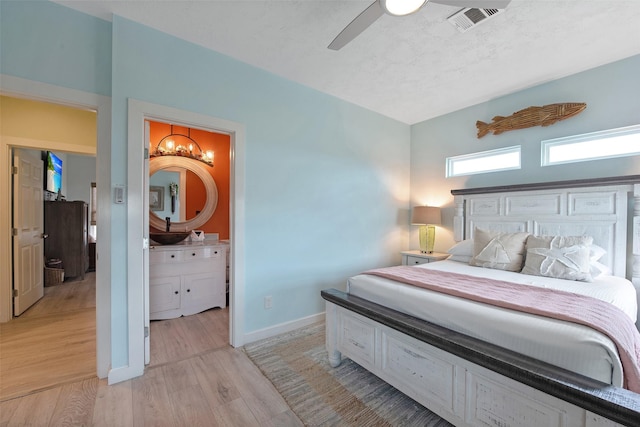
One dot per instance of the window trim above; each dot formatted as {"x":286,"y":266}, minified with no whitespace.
{"x":450,"y":161}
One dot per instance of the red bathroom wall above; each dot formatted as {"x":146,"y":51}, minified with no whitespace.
{"x":220,"y":172}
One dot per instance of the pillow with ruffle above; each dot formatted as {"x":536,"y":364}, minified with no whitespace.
{"x":502,"y":251}
{"x":596,"y":268}
{"x":596,"y":252}
{"x":461,"y":251}
{"x":560,"y":257}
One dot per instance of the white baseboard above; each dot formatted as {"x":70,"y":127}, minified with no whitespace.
{"x":282,"y":328}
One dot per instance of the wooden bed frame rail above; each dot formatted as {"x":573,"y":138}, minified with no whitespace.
{"x":613,"y":404}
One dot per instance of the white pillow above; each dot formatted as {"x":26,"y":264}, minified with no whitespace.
{"x":502,"y":251}
{"x":560,"y":257}
{"x":598,"y":269}
{"x":596,"y":252}
{"x":461,"y":251}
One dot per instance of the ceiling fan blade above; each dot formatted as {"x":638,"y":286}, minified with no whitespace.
{"x":478,"y":4}
{"x":358,"y":25}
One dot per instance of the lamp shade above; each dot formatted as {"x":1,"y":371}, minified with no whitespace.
{"x":426,"y":215}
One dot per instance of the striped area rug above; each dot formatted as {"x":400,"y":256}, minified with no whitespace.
{"x":297,"y":365}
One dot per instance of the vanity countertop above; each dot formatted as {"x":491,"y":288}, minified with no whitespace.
{"x":187,"y":244}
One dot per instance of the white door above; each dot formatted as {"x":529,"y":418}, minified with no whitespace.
{"x":28,"y":237}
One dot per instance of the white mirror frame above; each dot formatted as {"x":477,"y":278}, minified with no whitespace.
{"x":200,"y":169}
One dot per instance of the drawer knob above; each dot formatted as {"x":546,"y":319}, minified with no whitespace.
{"x":176,"y":292}
{"x":173,"y":256}
{"x":215,"y":252}
{"x":193,"y":254}
{"x":188,"y":290}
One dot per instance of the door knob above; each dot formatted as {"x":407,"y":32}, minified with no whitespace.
{"x":44,"y":236}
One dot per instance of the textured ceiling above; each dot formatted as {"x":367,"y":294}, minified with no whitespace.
{"x":409,"y":68}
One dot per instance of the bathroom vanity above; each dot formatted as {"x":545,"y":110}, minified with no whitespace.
{"x":186,"y":278}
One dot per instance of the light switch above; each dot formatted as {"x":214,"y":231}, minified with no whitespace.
{"x":118,"y":194}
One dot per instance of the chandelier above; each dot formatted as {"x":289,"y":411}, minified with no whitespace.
{"x":181,"y":145}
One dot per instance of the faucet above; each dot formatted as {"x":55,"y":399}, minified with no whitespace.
{"x":168,"y":223}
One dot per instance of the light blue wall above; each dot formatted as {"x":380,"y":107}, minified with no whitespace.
{"x":80,"y":172}
{"x":612,"y":94}
{"x":45,"y":42}
{"x":314,"y":166}
{"x":327,"y":182}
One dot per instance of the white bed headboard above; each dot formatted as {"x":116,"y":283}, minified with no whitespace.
{"x":606,"y":209}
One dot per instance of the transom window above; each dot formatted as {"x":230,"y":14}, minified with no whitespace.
{"x":606,"y":144}
{"x":484,"y":161}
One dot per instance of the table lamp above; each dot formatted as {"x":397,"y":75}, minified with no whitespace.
{"x":426,"y":217}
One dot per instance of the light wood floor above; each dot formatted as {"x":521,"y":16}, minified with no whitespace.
{"x":51,"y":343}
{"x":195,"y":378}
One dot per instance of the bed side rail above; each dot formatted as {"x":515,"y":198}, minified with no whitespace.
{"x":615,"y":403}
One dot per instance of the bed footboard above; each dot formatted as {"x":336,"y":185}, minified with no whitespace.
{"x":464,"y":380}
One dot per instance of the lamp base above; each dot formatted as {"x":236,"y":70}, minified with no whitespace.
{"x":427,"y":238}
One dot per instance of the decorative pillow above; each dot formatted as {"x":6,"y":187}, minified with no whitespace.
{"x":502,"y":251}
{"x":561,"y":257}
{"x":598,"y":269}
{"x":461,"y":251}
{"x":596,"y":252}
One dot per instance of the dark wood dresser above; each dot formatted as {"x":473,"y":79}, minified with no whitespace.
{"x":66,"y":224}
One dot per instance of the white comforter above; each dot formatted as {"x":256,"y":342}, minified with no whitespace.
{"x":575,"y":347}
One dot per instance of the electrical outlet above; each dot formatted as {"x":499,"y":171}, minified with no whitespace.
{"x":268,"y":302}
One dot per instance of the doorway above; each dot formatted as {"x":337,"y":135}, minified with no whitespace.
{"x":138,"y":113}
{"x":57,"y":304}
{"x":188,"y":175}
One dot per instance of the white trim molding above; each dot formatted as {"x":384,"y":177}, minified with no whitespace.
{"x":18,"y":87}
{"x":283,"y":328}
{"x":138,"y":112}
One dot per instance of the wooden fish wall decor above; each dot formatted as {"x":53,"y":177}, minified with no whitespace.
{"x":529,"y":117}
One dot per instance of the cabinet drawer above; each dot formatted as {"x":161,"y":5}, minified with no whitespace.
{"x":163,"y":257}
{"x":492,"y":404}
{"x":415,"y":260}
{"x":358,"y":339}
{"x":200,"y":253}
{"x":418,"y":369}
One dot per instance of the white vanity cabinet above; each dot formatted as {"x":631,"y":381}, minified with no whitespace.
{"x":186,"y":279}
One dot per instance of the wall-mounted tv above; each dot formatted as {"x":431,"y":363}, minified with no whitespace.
{"x":54,"y":173}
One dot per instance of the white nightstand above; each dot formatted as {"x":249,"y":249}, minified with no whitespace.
{"x":417,"y":257}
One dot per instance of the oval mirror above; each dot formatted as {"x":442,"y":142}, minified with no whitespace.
{"x":198,"y":209}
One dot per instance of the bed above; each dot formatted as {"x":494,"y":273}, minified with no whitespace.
{"x":476,"y":364}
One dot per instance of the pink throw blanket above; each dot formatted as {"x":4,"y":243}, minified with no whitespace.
{"x":599,"y":315}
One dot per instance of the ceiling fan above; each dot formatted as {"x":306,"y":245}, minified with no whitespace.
{"x":401,"y":8}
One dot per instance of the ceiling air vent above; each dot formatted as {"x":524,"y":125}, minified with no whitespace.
{"x":467,"y":18}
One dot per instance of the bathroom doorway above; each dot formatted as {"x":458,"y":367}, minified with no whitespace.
{"x":138,"y":114}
